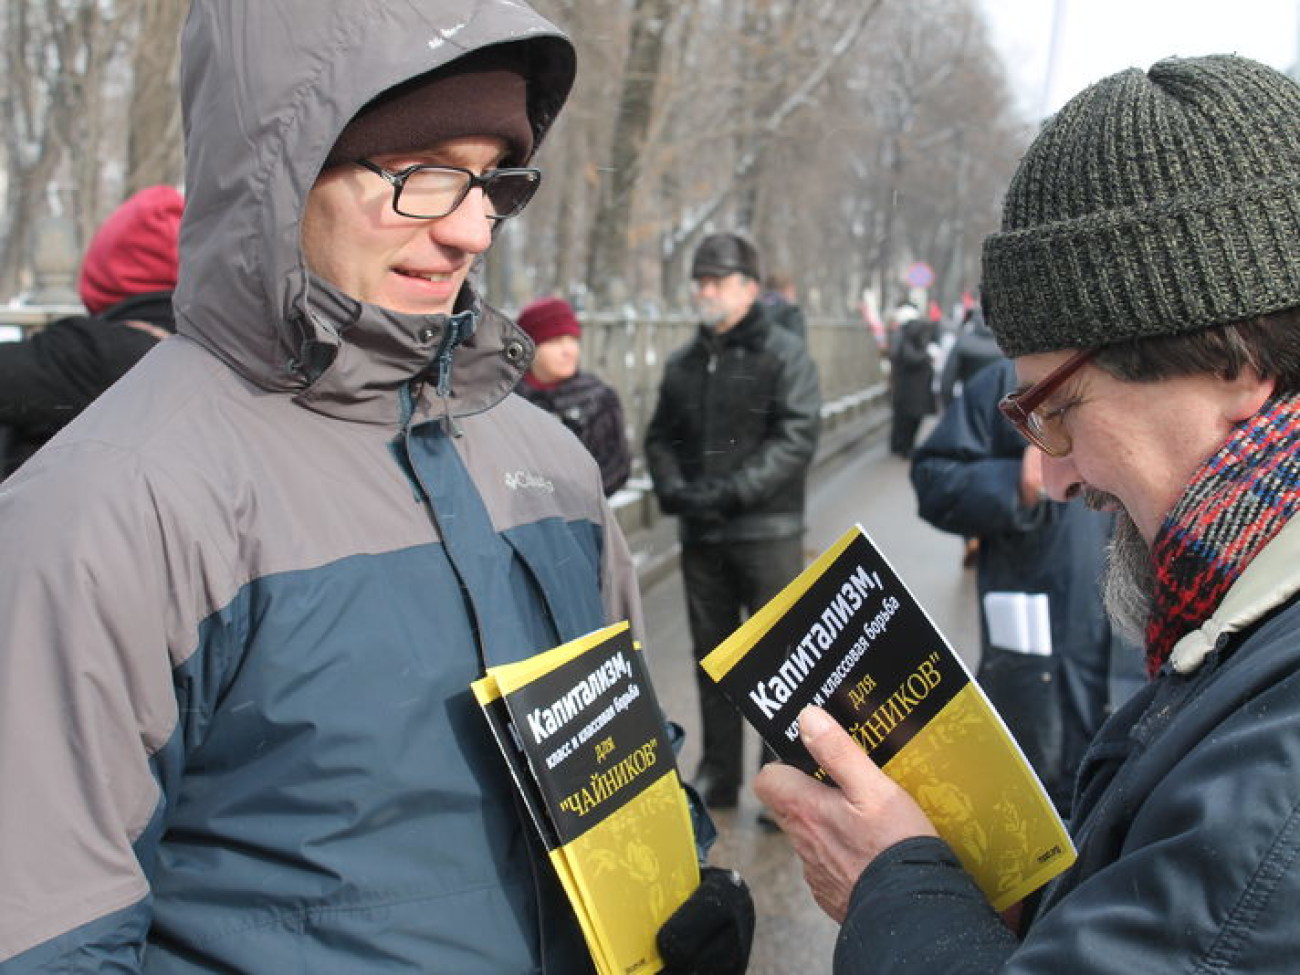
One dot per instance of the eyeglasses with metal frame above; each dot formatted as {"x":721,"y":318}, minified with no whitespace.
{"x":428,"y":192}
{"x":1045,"y":429}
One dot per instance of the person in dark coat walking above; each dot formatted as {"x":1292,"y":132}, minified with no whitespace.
{"x":974,"y":350}
{"x":912,"y":382}
{"x":126,"y":281}
{"x":974,"y":476}
{"x":582,"y":402}
{"x":729,"y":447}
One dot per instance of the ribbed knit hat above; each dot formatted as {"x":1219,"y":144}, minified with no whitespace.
{"x":483,"y":93}
{"x":1152,"y":203}
{"x":548,"y":318}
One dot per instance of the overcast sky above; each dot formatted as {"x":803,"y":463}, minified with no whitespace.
{"x":1098,"y":37}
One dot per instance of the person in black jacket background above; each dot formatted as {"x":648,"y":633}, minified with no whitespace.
{"x":728,"y":448}
{"x":781,"y":302}
{"x":974,"y":350}
{"x":125,"y":282}
{"x":911,"y":380}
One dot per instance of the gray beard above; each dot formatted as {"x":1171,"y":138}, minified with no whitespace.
{"x":1129,"y":584}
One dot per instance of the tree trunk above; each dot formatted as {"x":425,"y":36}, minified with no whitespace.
{"x":154,"y":146}
{"x":607,"y":254}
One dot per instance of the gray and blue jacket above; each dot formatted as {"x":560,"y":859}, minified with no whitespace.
{"x":243,"y":596}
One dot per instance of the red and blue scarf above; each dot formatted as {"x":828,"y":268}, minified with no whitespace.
{"x":1237,"y":502}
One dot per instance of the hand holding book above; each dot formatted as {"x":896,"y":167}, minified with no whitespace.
{"x":837,"y":832}
{"x":583,"y":737}
{"x":848,"y":637}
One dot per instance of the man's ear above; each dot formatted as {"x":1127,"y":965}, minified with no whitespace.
{"x":1248,"y":394}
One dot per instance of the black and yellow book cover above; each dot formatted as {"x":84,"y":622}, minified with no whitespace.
{"x":607,"y":792}
{"x":848,"y":636}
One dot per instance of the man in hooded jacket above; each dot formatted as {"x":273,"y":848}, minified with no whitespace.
{"x":259,"y":574}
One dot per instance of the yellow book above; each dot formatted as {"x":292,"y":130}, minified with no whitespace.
{"x":848,"y":636}
{"x":584,"y":738}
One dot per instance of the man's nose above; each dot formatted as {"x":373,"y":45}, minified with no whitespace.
{"x":467,"y":228}
{"x":1061,"y":480}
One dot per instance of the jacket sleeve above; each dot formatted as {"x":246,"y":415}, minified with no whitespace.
{"x":660,"y":457}
{"x":966,"y":474}
{"x":788,"y":448}
{"x":610,"y":433}
{"x":87,"y":717}
{"x":915,"y":911}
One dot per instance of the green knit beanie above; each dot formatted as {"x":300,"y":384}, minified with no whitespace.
{"x":1153,"y":203}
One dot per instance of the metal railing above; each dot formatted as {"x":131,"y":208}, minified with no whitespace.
{"x":629,"y":352}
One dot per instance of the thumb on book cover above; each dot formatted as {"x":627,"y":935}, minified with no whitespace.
{"x":865,"y":787}
{"x":835,"y":751}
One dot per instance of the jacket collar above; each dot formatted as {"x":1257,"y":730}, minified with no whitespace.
{"x":1271,"y":579}
{"x":749,"y":333}
{"x":359,"y":356}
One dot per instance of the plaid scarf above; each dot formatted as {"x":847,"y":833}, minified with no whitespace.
{"x":1236,"y":503}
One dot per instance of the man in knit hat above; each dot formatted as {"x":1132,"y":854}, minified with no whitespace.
{"x":259,"y":574}
{"x":1146,"y":281}
{"x":582,"y":401}
{"x":126,"y":281}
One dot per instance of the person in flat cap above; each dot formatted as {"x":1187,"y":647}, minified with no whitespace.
{"x":260,"y":573}
{"x":729,"y":447}
{"x":582,"y":401}
{"x":1146,"y":283}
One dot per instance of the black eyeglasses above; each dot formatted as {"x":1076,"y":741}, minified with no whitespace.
{"x":1044,"y":429}
{"x":429,"y":192}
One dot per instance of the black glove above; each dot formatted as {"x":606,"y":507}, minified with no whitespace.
{"x":712,"y":932}
{"x":670,"y":495}
{"x":709,"y":496}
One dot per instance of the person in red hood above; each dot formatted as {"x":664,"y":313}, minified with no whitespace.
{"x":126,"y":281}
{"x":582,"y":401}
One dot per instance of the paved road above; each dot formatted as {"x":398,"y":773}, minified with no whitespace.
{"x":871,"y":487}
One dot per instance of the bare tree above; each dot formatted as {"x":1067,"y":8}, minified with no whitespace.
{"x":154,"y":152}
{"x":607,"y":255}
{"x":56,"y":57}
{"x":847,"y":138}
{"x":756,"y":139}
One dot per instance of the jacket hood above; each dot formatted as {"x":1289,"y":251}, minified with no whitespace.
{"x":266,"y":87}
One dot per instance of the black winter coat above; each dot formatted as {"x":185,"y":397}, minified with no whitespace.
{"x":591,"y":409}
{"x":974,"y":351}
{"x":745,"y":406}
{"x":911,"y":374}
{"x":48,"y":379}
